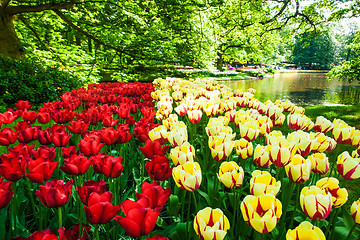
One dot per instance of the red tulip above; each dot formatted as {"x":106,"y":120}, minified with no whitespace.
{"x":78,"y":127}
{"x":108,"y":121}
{"x":7,"y":136}
{"x":90,"y":187}
{"x":22,"y":105}
{"x":40,"y":170}
{"x":159,"y":168}
{"x":62,"y":116}
{"x":8,"y":117}
{"x":12,"y":166}
{"x":90,"y":146}
{"x":46,"y":234}
{"x":123,"y":111}
{"x":139,"y":221}
{"x":153,"y":195}
{"x":108,"y":165}
{"x":43,"y":117}
{"x":100,"y":210}
{"x":153,"y":148}
{"x":5,"y":193}
{"x":22,"y":149}
{"x":44,"y":152}
{"x":55,"y":193}
{"x":123,"y":133}
{"x":58,"y":136}
{"x":109,"y":136}
{"x":44,"y":137}
{"x":142,"y":130}
{"x":67,"y":152}
{"x":157,"y":237}
{"x":29,"y":116}
{"x":73,"y":234}
{"x":28,"y":133}
{"x":76,"y":165}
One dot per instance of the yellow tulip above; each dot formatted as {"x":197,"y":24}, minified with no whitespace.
{"x":331,"y":185}
{"x":323,"y":125}
{"x":244,"y":149}
{"x":348,"y":166}
{"x":211,"y":224}
{"x":315,"y":202}
{"x":263,"y":183}
{"x":187,"y":176}
{"x":261,"y":156}
{"x":182,"y":154}
{"x":299,"y":169}
{"x":261,"y":212}
{"x":230,"y":174}
{"x":319,"y":163}
{"x":355,"y":211}
{"x":305,"y":231}
{"x":220,"y":147}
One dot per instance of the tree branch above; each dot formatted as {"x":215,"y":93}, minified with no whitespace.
{"x":13,"y":10}
{"x":39,"y":39}
{"x":95,"y":39}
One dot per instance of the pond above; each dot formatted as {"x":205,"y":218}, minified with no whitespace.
{"x":301,"y":89}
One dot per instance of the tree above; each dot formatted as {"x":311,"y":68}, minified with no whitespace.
{"x":314,"y":49}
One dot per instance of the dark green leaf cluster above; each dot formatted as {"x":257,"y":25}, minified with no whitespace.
{"x":21,"y":80}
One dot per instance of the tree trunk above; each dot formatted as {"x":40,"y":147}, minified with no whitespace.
{"x":219,"y":61}
{"x":10,"y":44}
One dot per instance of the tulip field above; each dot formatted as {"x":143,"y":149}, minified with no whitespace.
{"x":175,"y":159}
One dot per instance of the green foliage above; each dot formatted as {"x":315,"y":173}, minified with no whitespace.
{"x":21,"y":80}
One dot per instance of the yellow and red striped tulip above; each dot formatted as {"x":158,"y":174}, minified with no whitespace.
{"x":332,"y":144}
{"x":279,"y":121}
{"x":261,"y":156}
{"x":217,"y":129}
{"x":182,"y":154}
{"x":159,"y":133}
{"x":348,"y":166}
{"x":320,"y":142}
{"x":262,"y":108}
{"x":303,"y":140}
{"x":230,"y":174}
{"x":263,"y":183}
{"x":298,"y":121}
{"x":305,"y":231}
{"x":181,"y":109}
{"x":281,"y":150}
{"x":355,"y":140}
{"x":299,"y":169}
{"x":228,"y":105}
{"x":315,"y":202}
{"x":244,"y":149}
{"x":220,"y":147}
{"x":194,"y":116}
{"x":261,"y":212}
{"x":265,"y":124}
{"x":177,"y":95}
{"x":355,"y":211}
{"x":331,"y":185}
{"x":170,"y":121}
{"x":241,"y":117}
{"x":211,"y":109}
{"x":288,"y":106}
{"x":242,"y":101}
{"x":187,"y":176}
{"x":231,"y":115}
{"x":211,"y":224}
{"x":253,"y":103}
{"x":249,"y":130}
{"x":323,"y":125}
{"x":297,"y":109}
{"x":319,"y":163}
{"x":178,"y":136}
{"x":343,"y":133}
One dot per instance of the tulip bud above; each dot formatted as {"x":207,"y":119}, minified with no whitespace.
{"x":331,"y":185}
{"x":305,"y":231}
{"x":261,"y":212}
{"x":230,"y":174}
{"x":5,"y":193}
{"x":348,"y":166}
{"x":244,"y":149}
{"x":315,"y":202}
{"x":187,"y":176}
{"x":299,"y":169}
{"x":355,"y":211}
{"x":263,"y":183}
{"x":182,"y":154}
{"x":211,"y":224}
{"x":319,"y":163}
{"x":261,"y":156}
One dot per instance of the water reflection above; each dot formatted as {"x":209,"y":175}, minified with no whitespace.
{"x":302,"y":89}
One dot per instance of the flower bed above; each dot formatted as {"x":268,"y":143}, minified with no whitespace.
{"x":206,"y":163}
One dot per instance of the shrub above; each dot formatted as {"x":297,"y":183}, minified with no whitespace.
{"x":21,"y":80}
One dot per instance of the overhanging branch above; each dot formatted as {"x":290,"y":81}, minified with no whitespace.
{"x":95,"y":39}
{"x":13,"y":10}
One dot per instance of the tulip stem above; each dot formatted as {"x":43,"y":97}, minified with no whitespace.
{"x":296,"y":203}
{"x":60,"y":217}
{"x":195,"y":202}
{"x":188,"y":214}
{"x":97,"y":231}
{"x":31,"y":197}
{"x":235,"y":208}
{"x":14,"y":210}
{"x":333,"y":216}
{"x":351,"y":231}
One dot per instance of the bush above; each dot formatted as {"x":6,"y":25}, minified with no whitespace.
{"x":21,"y":80}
